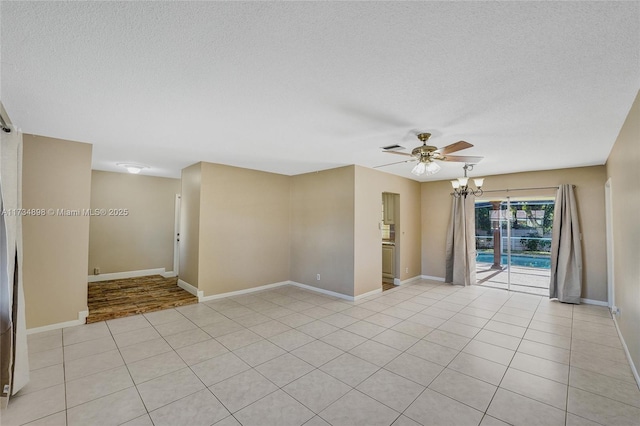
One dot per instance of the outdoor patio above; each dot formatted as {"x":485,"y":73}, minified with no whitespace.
{"x":526,"y":280}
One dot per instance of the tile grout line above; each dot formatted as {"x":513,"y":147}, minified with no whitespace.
{"x":128,"y":372}
{"x":566,"y":413}
{"x":64,"y":376}
{"x":367,"y":339}
{"x":497,"y":386}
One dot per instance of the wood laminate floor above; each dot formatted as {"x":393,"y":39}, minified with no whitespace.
{"x":132,"y":296}
{"x":387,"y":286}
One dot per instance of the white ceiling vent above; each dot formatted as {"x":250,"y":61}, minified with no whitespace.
{"x":394,"y":147}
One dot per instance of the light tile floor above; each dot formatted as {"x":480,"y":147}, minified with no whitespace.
{"x":425,"y":353}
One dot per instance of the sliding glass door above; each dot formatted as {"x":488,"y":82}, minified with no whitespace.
{"x":513,"y":243}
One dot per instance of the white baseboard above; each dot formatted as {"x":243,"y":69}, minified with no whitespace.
{"x":191,"y":289}
{"x":240,"y":292}
{"x":594,"y":302}
{"x":367,"y":294}
{"x":280,"y":284}
{"x":634,"y":370}
{"x":169,"y":274}
{"x":410,"y":280}
{"x":202,"y":298}
{"x":128,"y":274}
{"x":336,"y":294}
{"x":429,"y":277}
{"x":323,"y":291}
{"x":396,"y":281}
{"x":82,"y":319}
{"x":82,"y":316}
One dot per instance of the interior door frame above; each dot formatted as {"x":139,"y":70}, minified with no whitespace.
{"x":507,"y":216}
{"x":608,"y":212}
{"x":397,"y":280}
{"x":176,"y":236}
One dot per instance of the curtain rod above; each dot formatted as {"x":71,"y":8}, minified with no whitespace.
{"x":523,"y":189}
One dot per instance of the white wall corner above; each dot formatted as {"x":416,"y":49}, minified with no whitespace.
{"x":191,"y":289}
{"x":127,"y":274}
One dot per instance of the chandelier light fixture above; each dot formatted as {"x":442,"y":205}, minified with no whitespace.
{"x":425,"y":167}
{"x":461,"y":186}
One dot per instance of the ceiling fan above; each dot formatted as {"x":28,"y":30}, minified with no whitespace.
{"x":426,"y":154}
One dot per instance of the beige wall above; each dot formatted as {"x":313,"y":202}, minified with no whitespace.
{"x":322,"y":229}
{"x":143,"y":239}
{"x":624,"y":171}
{"x":56,"y":174}
{"x":190,"y":224}
{"x":589,"y":181}
{"x":369,"y":186}
{"x":244,"y":229}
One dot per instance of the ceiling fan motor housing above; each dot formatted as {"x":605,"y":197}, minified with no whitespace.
{"x":423,"y":151}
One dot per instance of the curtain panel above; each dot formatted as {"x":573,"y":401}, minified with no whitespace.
{"x":14,"y":367}
{"x":461,"y":242}
{"x":566,"y":249}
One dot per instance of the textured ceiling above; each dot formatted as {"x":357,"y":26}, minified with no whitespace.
{"x":293,"y":87}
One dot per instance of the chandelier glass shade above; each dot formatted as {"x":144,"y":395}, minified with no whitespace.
{"x":425,"y":168}
{"x":461,"y":186}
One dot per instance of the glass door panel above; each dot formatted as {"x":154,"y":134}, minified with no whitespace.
{"x":513,"y":241}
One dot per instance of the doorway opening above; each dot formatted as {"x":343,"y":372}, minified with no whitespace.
{"x":513,"y":243}
{"x":389,"y":226}
{"x":121,"y":298}
{"x":133,"y":250}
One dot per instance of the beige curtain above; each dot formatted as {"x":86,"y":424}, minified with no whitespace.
{"x":14,"y":367}
{"x":461,"y":242}
{"x":566,"y":250}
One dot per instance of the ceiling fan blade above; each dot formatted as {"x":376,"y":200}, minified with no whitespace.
{"x":462,"y":159}
{"x":398,"y":153}
{"x":458,"y":146}
{"x":391,"y":164}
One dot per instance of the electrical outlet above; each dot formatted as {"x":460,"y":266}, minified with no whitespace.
{"x":96,"y":271}
{"x":406,"y":270}
{"x":318,"y":277}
